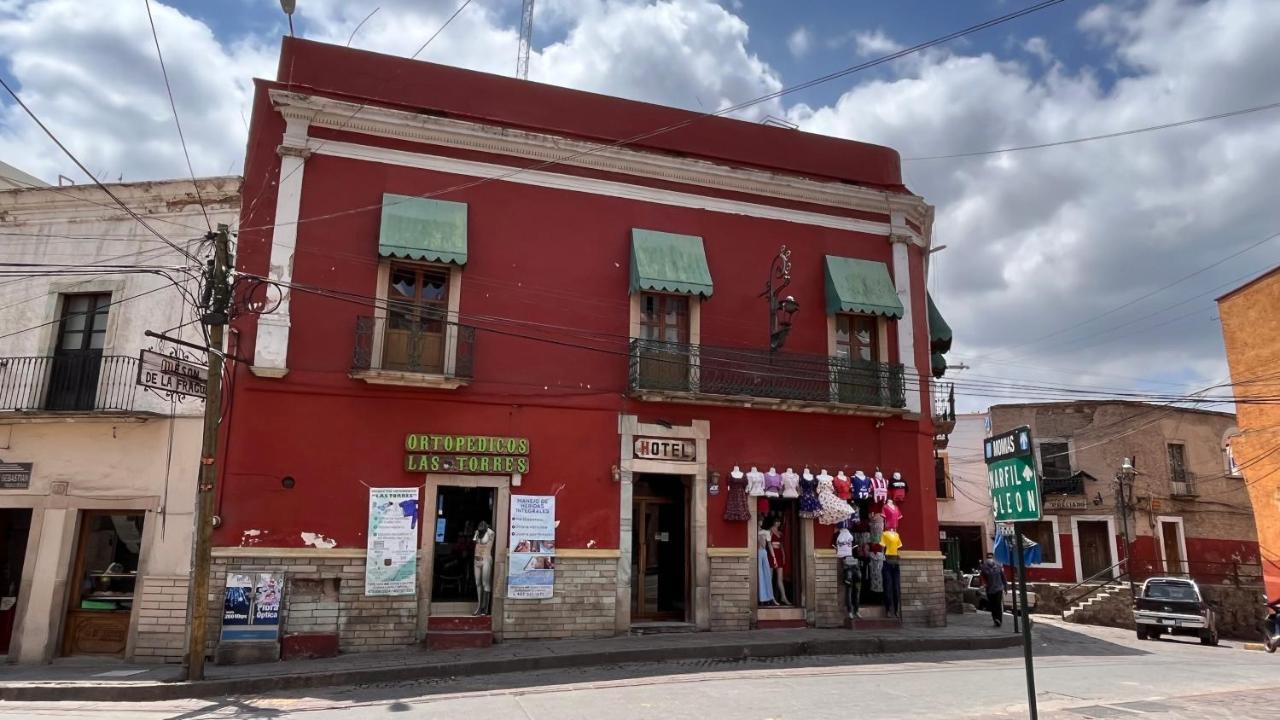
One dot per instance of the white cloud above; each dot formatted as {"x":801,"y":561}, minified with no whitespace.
{"x":1041,"y":240}
{"x":874,"y":43}
{"x":799,"y":42}
{"x":1038,"y":47}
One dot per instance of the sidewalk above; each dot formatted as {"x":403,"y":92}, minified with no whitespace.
{"x":84,"y":679}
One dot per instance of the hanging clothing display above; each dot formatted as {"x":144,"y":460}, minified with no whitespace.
{"x":891,"y":579}
{"x":851,"y":578}
{"x":809,"y":504}
{"x":877,"y":526}
{"x":861,"y":486}
{"x":891,"y":542}
{"x":772,"y":483}
{"x":897,"y":488}
{"x":875,"y":571}
{"x":843,"y":486}
{"x":764,"y":573}
{"x":844,"y":543}
{"x":833,"y":509}
{"x":790,"y":484}
{"x":755,"y":483}
{"x":891,"y":515}
{"x":736,"y":508}
{"x":879,"y":488}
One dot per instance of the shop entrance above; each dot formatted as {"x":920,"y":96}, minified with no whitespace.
{"x":104,"y":577}
{"x":962,"y":546}
{"x":15,"y":526}
{"x":459,"y":512}
{"x":1095,"y":541}
{"x":660,"y":548}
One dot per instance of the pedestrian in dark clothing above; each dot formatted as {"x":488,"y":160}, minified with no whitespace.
{"x":993,"y":580}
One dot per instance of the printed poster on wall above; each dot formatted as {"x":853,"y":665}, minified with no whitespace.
{"x":251,"y":606}
{"x":532,"y":572}
{"x":391,"y":563}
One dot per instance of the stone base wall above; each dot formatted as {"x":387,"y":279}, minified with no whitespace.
{"x":362,"y":623}
{"x":162,"y":620}
{"x":924,"y":599}
{"x":731,"y":601}
{"x":828,"y":606}
{"x":583,"y":604}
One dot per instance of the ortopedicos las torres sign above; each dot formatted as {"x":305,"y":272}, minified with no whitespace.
{"x":466,"y":454}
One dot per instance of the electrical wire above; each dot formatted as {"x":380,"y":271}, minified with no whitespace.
{"x":91,"y":176}
{"x":844,"y":72}
{"x":174,"y":106}
{"x":1105,"y":136}
{"x":60,"y":319}
{"x":108,"y":206}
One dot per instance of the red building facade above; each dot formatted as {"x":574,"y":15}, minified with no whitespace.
{"x":469,"y":285}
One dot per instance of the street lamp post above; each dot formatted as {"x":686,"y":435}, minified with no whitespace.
{"x":1124,"y":490}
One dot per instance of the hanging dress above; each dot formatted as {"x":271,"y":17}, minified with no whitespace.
{"x":833,"y":509}
{"x":843,"y":487}
{"x":764,"y":574}
{"x":809,"y":505}
{"x":755,"y":483}
{"x":772,"y":483}
{"x":790,"y":484}
{"x":736,"y":508}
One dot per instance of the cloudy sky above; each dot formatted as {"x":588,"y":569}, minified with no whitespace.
{"x":1062,"y":265}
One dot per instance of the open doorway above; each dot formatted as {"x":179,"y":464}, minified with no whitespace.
{"x":104,"y":581}
{"x":459,"y":512}
{"x":660,"y":549}
{"x":15,"y":527}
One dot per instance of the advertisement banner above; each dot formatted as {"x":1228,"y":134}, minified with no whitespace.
{"x":531,"y":573}
{"x":251,"y":606}
{"x":391,"y":563}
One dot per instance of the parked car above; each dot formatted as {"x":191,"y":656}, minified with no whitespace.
{"x":976,"y":595}
{"x":1175,"y":606}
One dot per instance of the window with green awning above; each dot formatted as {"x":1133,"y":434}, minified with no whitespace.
{"x":861,"y":286}
{"x":939,"y":330}
{"x":667,"y":262}
{"x":422,"y":229}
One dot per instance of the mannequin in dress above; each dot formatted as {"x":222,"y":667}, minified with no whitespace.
{"x":809,"y":504}
{"x":790,"y":484}
{"x":777,"y":560}
{"x":892,"y":515}
{"x":483,"y":567}
{"x":844,"y":488}
{"x":764,"y":574}
{"x":772,"y":483}
{"x":833,"y":509}
{"x":736,"y":508}
{"x":755,"y":482}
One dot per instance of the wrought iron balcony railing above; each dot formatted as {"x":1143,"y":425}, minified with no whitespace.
{"x":414,"y":345}
{"x":1073,"y":485}
{"x":79,"y":382}
{"x":735,"y":372}
{"x":1183,"y":483}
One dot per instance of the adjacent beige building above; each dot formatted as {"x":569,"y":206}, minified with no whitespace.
{"x":965,"y":526}
{"x":96,"y":473}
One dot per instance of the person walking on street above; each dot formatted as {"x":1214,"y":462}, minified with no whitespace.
{"x":993,"y":580}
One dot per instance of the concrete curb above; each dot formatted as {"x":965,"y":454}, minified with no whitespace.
{"x":158,"y":691}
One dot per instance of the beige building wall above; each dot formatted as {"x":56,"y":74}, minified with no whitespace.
{"x":142,"y":459}
{"x":970,"y":501}
{"x":1250,"y":319}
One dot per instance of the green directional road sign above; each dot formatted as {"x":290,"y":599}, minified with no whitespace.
{"x":1011,"y":476}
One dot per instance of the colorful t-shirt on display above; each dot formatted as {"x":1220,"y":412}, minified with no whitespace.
{"x":891,"y":542}
{"x":879,"y":488}
{"x":897,"y":488}
{"x":891,"y":516}
{"x":772,"y":483}
{"x":861,"y":486}
{"x":843,"y":488}
{"x":844,"y":543}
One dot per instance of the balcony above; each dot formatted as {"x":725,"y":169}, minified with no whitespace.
{"x":699,"y":373}
{"x":944,"y":414}
{"x":1182,"y":483}
{"x":1070,"y":485}
{"x":86,"y":382}
{"x":421,"y":353}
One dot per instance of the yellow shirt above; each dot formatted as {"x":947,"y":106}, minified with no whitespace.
{"x":891,"y":542}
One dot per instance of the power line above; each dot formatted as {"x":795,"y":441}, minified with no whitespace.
{"x":174,"y":106}
{"x":109,"y":206}
{"x":461,"y":7}
{"x":844,"y":72}
{"x":91,"y":176}
{"x":113,"y":302}
{"x":1091,"y":138}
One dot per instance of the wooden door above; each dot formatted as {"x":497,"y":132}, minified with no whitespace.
{"x":1172,"y":547}
{"x":1095,"y":551}
{"x":103,"y":584}
{"x":664,"y":333}
{"x":417,"y":319}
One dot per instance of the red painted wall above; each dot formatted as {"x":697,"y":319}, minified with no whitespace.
{"x":1067,"y":573}
{"x":547,"y":273}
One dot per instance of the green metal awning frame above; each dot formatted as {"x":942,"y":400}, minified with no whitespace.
{"x":667,"y":262}
{"x":861,"y":286}
{"x":939,"y":330}
{"x":416,"y":228}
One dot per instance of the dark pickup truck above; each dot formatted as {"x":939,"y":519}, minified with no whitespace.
{"x":1174,"y":606}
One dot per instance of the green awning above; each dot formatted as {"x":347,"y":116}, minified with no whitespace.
{"x":421,"y":229}
{"x":939,"y":330}
{"x":666,"y":262}
{"x":861,"y":286}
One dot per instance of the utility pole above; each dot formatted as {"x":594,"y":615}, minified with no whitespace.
{"x":214,"y":301}
{"x":1124,"y":489}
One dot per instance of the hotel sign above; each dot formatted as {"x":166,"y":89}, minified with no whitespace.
{"x":666,"y":449}
{"x":466,"y":454}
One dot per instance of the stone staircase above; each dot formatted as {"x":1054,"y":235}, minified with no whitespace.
{"x":1111,"y":605}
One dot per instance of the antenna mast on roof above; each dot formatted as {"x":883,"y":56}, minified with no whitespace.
{"x":526,"y":39}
